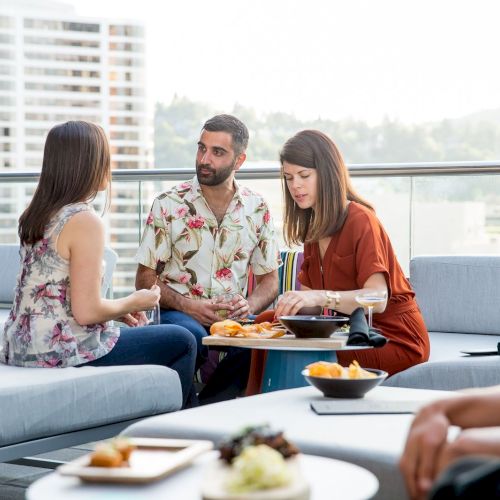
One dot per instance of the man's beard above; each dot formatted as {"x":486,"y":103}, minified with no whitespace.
{"x":215,"y":177}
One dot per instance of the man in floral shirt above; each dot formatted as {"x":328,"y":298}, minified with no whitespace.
{"x":202,"y":236}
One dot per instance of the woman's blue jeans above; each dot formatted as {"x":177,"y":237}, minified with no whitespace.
{"x":166,"y":345}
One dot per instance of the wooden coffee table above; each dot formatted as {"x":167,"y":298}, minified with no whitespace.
{"x":287,"y":356}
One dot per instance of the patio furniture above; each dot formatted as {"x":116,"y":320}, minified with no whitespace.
{"x":459,"y":297}
{"x":327,"y":477}
{"x":47,"y":409}
{"x":287,"y":356}
{"x":374,"y":442}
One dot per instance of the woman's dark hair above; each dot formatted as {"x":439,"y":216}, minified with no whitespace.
{"x":76,"y":161}
{"x":313,"y":149}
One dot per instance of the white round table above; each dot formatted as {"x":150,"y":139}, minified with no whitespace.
{"x":328,"y":478}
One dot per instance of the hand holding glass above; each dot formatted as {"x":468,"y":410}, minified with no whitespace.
{"x":369,"y":300}
{"x":223,"y":298}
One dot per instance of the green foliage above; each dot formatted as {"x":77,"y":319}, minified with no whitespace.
{"x":476,"y":137}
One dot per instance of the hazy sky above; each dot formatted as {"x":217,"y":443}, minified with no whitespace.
{"x":410,"y":60}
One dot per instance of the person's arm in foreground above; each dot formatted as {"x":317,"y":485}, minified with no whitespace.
{"x":302,"y":301}
{"x":427,"y":451}
{"x":82,"y":242}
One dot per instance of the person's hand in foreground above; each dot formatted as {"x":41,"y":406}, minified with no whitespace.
{"x":426,"y":439}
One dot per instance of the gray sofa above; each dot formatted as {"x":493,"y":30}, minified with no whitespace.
{"x":47,"y":409}
{"x":459,"y":297}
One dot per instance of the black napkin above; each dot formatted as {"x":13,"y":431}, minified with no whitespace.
{"x":360,"y":334}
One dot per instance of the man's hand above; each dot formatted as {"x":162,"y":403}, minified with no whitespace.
{"x":241,"y":307}
{"x":292,"y":302}
{"x":204,"y":310}
{"x":425,"y":443}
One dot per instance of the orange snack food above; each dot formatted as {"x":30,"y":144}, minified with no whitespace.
{"x":124,"y":447}
{"x":227,"y":328}
{"x":106,"y":455}
{"x":230,"y":328}
{"x":334,"y":370}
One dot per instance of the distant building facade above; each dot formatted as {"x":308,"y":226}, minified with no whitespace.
{"x":57,"y":66}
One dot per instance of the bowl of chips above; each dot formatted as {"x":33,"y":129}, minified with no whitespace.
{"x":336,"y":381}
{"x":313,"y":326}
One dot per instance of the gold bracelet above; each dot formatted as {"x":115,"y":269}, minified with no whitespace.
{"x":330,"y":297}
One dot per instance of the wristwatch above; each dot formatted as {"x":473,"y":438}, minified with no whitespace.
{"x":331,"y":298}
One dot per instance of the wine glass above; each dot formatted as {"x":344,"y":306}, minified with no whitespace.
{"x":153,"y":315}
{"x":369,"y":299}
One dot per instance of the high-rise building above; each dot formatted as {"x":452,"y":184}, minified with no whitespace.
{"x":57,"y":66}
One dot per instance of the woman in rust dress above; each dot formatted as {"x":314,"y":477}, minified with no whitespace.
{"x":346,"y":252}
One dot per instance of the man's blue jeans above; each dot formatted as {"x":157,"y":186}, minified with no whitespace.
{"x":166,"y":345}
{"x":173,"y":317}
{"x":231,"y":374}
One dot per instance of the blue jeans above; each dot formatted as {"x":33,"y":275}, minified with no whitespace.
{"x":165,"y":345}
{"x":230,"y":376}
{"x":173,"y":317}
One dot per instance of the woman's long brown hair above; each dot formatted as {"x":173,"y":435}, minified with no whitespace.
{"x":76,"y":161}
{"x":313,"y":149}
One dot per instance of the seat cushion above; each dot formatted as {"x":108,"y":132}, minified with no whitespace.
{"x":4,"y":314}
{"x":458,"y":293}
{"x":447,"y":346}
{"x":9,"y":269}
{"x":448,"y":369}
{"x":42,"y":402}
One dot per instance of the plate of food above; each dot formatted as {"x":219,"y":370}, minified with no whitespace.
{"x":256,"y":464}
{"x":135,"y":460}
{"x":230,"y":328}
{"x":336,"y":381}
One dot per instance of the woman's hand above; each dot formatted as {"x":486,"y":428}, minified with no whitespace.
{"x":292,"y":302}
{"x":134,"y":319}
{"x":145,"y":299}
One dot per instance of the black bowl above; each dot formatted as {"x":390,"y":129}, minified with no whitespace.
{"x":309,"y":327}
{"x":346,"y":387}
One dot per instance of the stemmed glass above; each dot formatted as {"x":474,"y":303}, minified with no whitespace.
{"x":369,"y":300}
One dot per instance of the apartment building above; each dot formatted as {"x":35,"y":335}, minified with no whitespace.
{"x":57,"y":66}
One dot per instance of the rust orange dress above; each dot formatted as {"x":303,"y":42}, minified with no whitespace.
{"x":355,"y":252}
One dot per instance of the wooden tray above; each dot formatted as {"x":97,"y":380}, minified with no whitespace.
{"x":152,"y":460}
{"x":334,"y":342}
{"x":217,"y":474}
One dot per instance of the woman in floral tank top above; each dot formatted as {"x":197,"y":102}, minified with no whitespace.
{"x":58,"y":318}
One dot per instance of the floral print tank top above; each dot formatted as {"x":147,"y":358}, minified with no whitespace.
{"x":41,"y":330}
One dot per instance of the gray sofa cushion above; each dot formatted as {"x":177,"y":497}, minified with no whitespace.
{"x":447,"y":346}
{"x":448,"y":369}
{"x":458,"y":293}
{"x":42,"y":402}
{"x":450,"y":375}
{"x":9,"y":269}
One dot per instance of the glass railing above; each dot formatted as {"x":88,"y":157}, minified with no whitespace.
{"x":430,"y":208}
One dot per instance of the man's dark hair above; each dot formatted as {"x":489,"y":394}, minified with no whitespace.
{"x":231,"y":125}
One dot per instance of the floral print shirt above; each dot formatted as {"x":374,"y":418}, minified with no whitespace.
{"x":41,"y":330}
{"x":195,"y":255}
